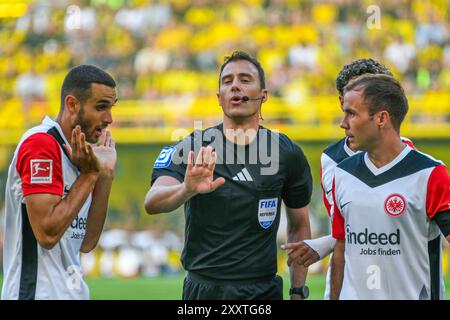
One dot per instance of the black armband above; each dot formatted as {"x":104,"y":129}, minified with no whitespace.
{"x":443,"y":221}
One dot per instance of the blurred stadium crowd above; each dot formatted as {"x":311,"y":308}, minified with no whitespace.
{"x":172,"y":48}
{"x":128,"y":254}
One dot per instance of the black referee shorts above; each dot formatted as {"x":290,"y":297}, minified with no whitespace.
{"x":197,"y":287}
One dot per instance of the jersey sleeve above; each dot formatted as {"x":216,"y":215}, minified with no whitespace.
{"x":438,"y":191}
{"x":170,"y":162}
{"x":337,"y":220}
{"x":298,"y":188}
{"x":39,"y":165}
{"x":327,"y":167}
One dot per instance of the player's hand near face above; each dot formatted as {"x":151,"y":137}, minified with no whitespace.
{"x":81,"y":153}
{"x":105,"y":151}
{"x":199,"y":177}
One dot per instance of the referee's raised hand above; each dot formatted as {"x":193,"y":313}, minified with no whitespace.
{"x":199,"y":177}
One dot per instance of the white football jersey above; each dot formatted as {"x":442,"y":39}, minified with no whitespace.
{"x":385,"y":216}
{"x":330,"y":158}
{"x":30,"y":271}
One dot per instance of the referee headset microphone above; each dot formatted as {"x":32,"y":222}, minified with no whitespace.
{"x":247,"y":98}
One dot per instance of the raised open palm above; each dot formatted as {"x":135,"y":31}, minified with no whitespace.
{"x":200,"y":174}
{"x":81,"y":153}
{"x":105,"y":151}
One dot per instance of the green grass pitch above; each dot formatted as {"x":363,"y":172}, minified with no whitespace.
{"x":169,"y":288}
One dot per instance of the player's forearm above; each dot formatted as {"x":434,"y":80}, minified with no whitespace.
{"x":65,"y":211}
{"x":166,"y":198}
{"x":323,"y":245}
{"x":337,"y":270}
{"x":97,"y":212}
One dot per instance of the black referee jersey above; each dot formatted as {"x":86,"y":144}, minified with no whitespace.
{"x":230,"y":234}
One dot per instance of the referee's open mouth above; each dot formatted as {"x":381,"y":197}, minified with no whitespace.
{"x":236,"y":100}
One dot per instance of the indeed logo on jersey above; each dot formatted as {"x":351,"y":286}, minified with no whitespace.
{"x":78,"y":226}
{"x":372,"y":238}
{"x":267,"y":212}
{"x":164,"y":158}
{"x":41,"y":170}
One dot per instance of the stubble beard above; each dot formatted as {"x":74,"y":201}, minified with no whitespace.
{"x":85,"y":126}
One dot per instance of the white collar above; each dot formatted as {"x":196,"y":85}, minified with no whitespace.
{"x":349,"y":151}
{"x":52,"y":123}
{"x":377,"y":171}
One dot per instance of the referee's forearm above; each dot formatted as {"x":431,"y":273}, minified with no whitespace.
{"x":298,"y":272}
{"x":166,"y":198}
{"x":298,"y":228}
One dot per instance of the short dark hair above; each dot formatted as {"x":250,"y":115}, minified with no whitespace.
{"x":381,"y":92}
{"x":79,"y":80}
{"x":241,"y":55}
{"x":357,"y":68}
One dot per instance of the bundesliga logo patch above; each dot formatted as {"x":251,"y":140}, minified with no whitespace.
{"x":164,"y":158}
{"x":267,"y":212}
{"x":395,"y":205}
{"x":41,"y":171}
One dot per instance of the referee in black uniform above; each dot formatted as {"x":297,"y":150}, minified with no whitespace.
{"x":231,"y":179}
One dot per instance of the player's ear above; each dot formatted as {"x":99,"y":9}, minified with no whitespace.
{"x":383,"y":118}
{"x":72,"y":104}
